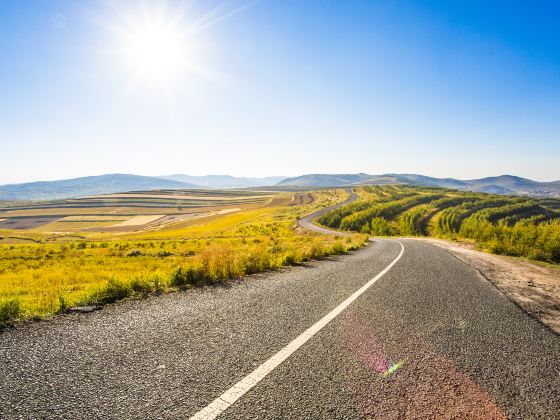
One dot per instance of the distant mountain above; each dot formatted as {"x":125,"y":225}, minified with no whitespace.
{"x":504,"y":184}
{"x":507,"y":181}
{"x":325,"y":180}
{"x":226,"y":181}
{"x":111,"y":183}
{"x":89,"y":185}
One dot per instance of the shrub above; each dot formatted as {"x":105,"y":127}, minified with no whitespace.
{"x":134,"y":253}
{"x":292,"y":257}
{"x":141,"y":286}
{"x":163,"y":254}
{"x":191,"y":275}
{"x":337,"y":248}
{"x":9,"y":311}
{"x":113,"y":291}
{"x":317,"y":251}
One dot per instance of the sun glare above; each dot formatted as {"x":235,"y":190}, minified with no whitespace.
{"x":161,"y":47}
{"x":155,"y":50}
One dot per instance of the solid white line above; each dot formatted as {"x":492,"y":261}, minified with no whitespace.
{"x":220,"y":404}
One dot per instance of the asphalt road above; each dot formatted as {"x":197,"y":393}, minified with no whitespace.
{"x":461,"y":347}
{"x":307,"y":221}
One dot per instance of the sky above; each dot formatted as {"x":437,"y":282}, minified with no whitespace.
{"x":462,"y":89}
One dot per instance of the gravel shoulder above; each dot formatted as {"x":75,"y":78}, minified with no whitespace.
{"x":532,"y":286}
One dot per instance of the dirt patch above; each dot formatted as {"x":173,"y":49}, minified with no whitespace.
{"x":226,"y":211}
{"x":302,"y":198}
{"x":140,"y":220}
{"x":534,"y":287}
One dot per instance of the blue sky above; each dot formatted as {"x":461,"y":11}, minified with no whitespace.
{"x":282,"y":87}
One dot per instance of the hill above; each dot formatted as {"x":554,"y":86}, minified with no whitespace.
{"x":504,"y":184}
{"x":89,"y":185}
{"x":225,"y":181}
{"x":325,"y":180}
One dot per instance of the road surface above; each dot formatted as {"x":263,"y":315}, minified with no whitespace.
{"x":421,"y":335}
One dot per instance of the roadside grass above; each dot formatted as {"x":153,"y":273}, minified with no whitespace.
{"x":42,"y":279}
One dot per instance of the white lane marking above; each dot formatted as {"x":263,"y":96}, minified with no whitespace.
{"x":221,"y":404}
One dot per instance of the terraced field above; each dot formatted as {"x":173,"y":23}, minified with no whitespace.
{"x":511,"y":225}
{"x":126,"y":212}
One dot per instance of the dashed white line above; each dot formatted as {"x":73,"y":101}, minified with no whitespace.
{"x":221,"y":404}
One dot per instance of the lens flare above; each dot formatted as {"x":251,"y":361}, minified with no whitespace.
{"x":364,"y":344}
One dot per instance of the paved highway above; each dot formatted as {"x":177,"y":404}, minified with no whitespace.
{"x":307,"y":221}
{"x":399,"y":329}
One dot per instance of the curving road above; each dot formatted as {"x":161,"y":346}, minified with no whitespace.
{"x":398,"y":329}
{"x":307,"y":221}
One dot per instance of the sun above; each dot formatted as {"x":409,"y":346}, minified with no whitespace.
{"x":160,"y":47}
{"x":155,"y":50}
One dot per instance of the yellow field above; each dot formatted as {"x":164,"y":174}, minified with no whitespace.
{"x":58,"y":271}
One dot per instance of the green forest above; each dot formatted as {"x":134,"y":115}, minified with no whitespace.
{"x":509,"y":225}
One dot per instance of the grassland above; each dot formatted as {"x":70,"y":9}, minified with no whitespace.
{"x":78,"y":260}
{"x":509,"y":225}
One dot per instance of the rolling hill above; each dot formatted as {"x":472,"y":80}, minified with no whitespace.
{"x":326,"y":180}
{"x":504,"y":184}
{"x":89,"y":185}
{"x":110,"y":183}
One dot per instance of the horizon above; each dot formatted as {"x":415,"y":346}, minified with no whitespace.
{"x":272,"y":176}
{"x":257,"y":88}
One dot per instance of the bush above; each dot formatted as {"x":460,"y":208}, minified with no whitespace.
{"x":9,"y":311}
{"x":134,"y":253}
{"x":292,"y":257}
{"x":182,"y":277}
{"x":163,"y":254}
{"x":141,"y":286}
{"x":317,"y":251}
{"x":337,"y":248}
{"x":113,"y":291}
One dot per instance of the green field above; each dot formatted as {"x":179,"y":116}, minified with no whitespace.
{"x":509,"y":225}
{"x":76,"y":260}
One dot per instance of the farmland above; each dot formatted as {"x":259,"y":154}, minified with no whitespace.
{"x":508,"y":225}
{"x":95,"y":250}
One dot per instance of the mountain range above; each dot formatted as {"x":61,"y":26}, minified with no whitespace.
{"x":503,"y":184}
{"x":225,"y":181}
{"x":85,"y":186}
{"x":111,"y":183}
